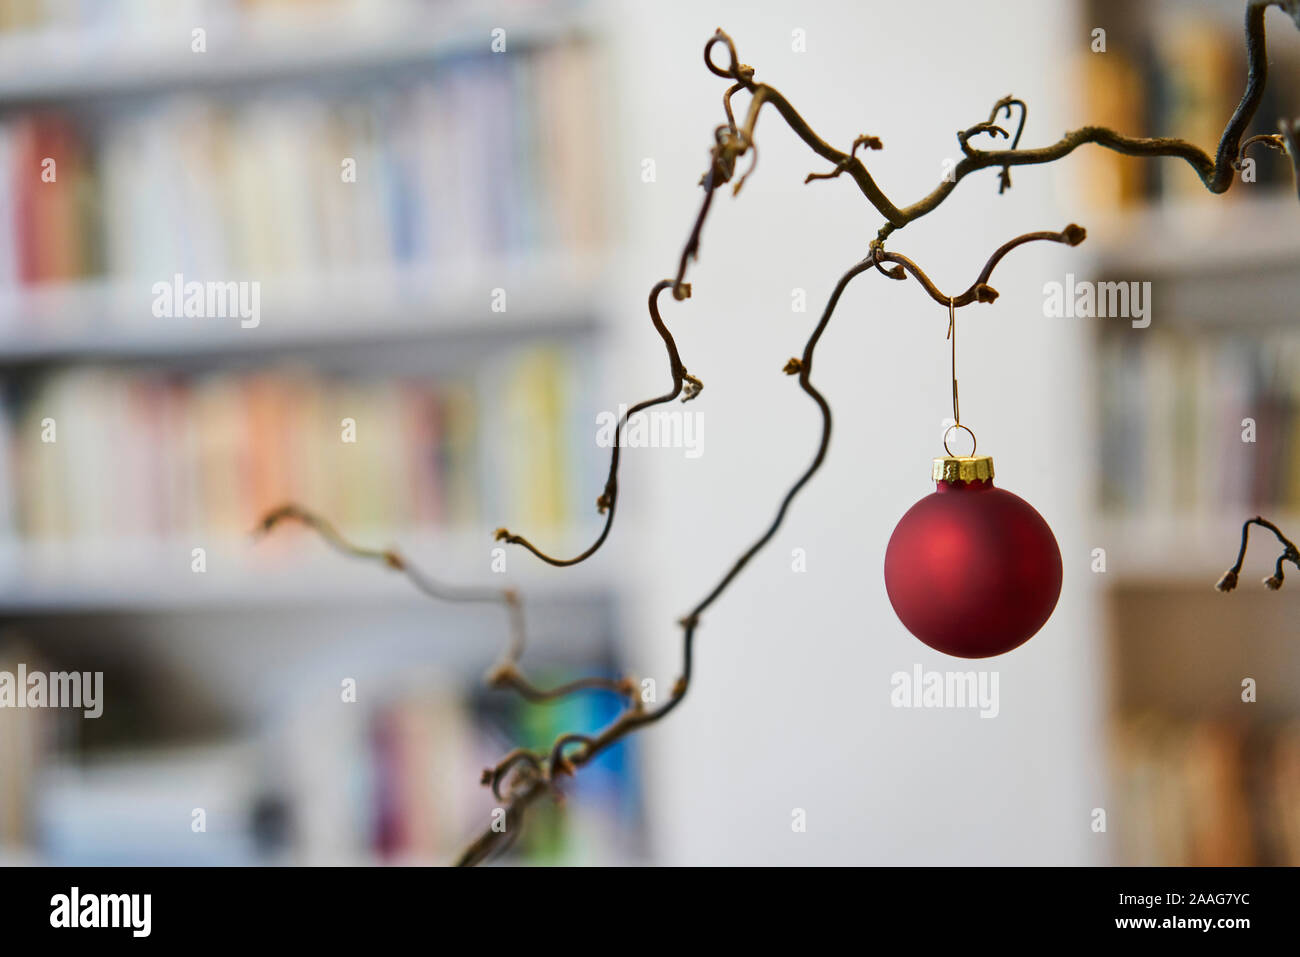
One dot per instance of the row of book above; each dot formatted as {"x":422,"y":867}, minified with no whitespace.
{"x":1175,"y":70}
{"x":393,"y":777}
{"x":99,"y":452}
{"x":88,"y":16}
{"x":1207,"y":793}
{"x":489,"y":157}
{"x":1198,"y":423}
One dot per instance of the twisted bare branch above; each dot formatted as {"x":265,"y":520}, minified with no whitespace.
{"x":523,"y":777}
{"x":1289,"y":554}
{"x":683,"y":382}
{"x":979,"y":290}
{"x":1215,"y":172}
{"x":561,"y":760}
{"x":505,"y":672}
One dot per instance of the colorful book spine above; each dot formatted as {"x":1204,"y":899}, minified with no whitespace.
{"x":479,"y":159}
{"x":159,"y":455}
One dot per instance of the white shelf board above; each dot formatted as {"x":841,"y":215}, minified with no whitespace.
{"x":292,"y":567}
{"x":114,"y":318}
{"x":1190,"y":549}
{"x":1239,"y":232}
{"x":69,"y":64}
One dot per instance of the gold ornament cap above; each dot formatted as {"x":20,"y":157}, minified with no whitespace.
{"x":963,"y":468}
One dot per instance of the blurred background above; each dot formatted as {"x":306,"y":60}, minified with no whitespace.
{"x":474,"y":300}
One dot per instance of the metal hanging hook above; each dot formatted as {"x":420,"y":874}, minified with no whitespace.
{"x":952,"y":334}
{"x":956,"y":407}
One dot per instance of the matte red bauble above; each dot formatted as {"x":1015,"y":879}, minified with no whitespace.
{"x":971,"y":569}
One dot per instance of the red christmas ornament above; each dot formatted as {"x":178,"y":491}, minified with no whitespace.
{"x":971,"y":569}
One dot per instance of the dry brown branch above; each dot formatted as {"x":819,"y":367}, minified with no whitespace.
{"x":1215,"y":172}
{"x":505,"y":672}
{"x":523,"y":777}
{"x":684,"y":384}
{"x":1289,"y":554}
{"x":528,"y":775}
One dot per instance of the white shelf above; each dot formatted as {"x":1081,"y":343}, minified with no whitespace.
{"x":62,"y":64}
{"x":114,"y":318}
{"x":1240,"y":232}
{"x":288,"y":568}
{"x":1192,"y":549}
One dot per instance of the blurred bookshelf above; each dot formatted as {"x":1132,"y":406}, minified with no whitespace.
{"x":1198,"y":776}
{"x":475,"y":173}
{"x":57,"y":51}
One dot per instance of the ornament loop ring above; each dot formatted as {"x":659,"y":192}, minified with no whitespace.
{"x":958,"y":425}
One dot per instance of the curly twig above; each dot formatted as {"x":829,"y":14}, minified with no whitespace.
{"x":1006,"y":103}
{"x":870,"y":142}
{"x":1289,"y":554}
{"x":491,"y":841}
{"x":560,"y":761}
{"x":606,"y":504}
{"x":1215,"y":172}
{"x":731,"y":141}
{"x":979,"y":290}
{"x":503,"y":674}
{"x":522,"y":777}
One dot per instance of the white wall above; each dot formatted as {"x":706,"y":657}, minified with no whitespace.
{"x":790,"y":707}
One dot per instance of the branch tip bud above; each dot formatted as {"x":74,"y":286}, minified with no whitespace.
{"x":1228,"y":582}
{"x":498,"y":675}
